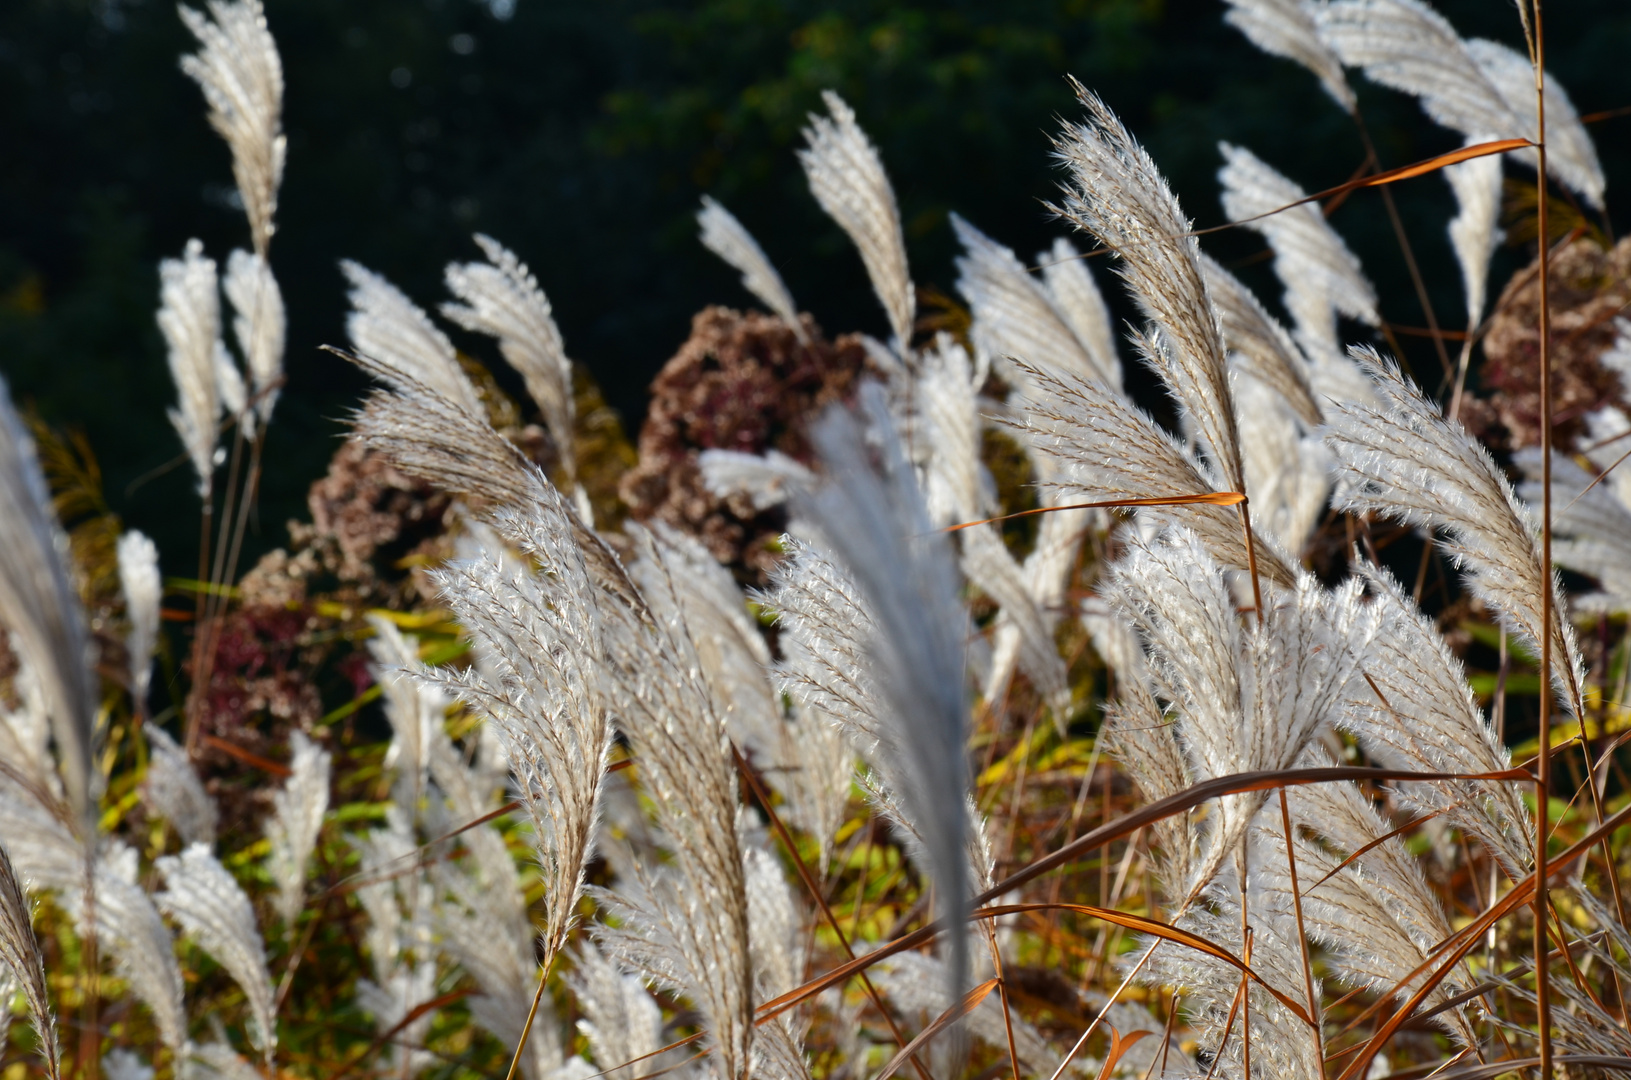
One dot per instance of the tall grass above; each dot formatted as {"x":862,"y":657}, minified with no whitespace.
{"x":1179,"y":780}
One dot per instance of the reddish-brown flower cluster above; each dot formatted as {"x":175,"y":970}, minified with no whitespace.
{"x":368,"y":521}
{"x":372,"y":531}
{"x":1589,"y":288}
{"x":742,"y":381}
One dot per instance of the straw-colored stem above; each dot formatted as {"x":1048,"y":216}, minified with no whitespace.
{"x":1302,"y":934}
{"x":1543,"y":776}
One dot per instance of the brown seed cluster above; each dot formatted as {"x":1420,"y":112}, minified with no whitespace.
{"x":1589,"y":289}
{"x":742,"y":381}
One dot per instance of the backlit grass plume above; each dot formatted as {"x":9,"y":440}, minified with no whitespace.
{"x":728,"y":238}
{"x":241,"y":75}
{"x":41,"y":612}
{"x":847,"y":178}
{"x":501,"y":298}
{"x":1405,"y":461}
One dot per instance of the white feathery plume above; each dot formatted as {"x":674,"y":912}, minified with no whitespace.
{"x":189,"y":316}
{"x":398,"y":940}
{"x":1013,"y":313}
{"x":1046,"y":575}
{"x":486,"y":931}
{"x":1246,"y":700}
{"x":129,"y":928}
{"x":1282,"y":1044}
{"x":40,"y":609}
{"x":415,"y":711}
{"x":20,"y":956}
{"x":1592,"y":531}
{"x":1322,"y":277}
{"x":47,"y":855}
{"x":1482,"y":89}
{"x":826,"y":631}
{"x":1287,"y":472}
{"x":1071,"y":288}
{"x":728,"y":238}
{"x":216,"y":1060}
{"x":1376,"y":916}
{"x":122,"y":1064}
{"x":480,"y":908}
{"x":686,"y":924}
{"x":620,"y":1019}
{"x":387,"y":327}
{"x":297,"y":817}
{"x":957,"y":485}
{"x":1571,"y":157}
{"x":817,"y":762}
{"x":1406,"y":45}
{"x":1474,"y":233}
{"x":847,"y":178}
{"x":767,"y":480}
{"x":805,"y":758}
{"x":25,"y":738}
{"x":143,"y":591}
{"x":428,"y":435}
{"x":537,"y":635}
{"x":682,"y":579}
{"x":988,"y":564}
{"x":1417,"y":712}
{"x":173,"y":791}
{"x":878,"y":526}
{"x":1287,"y":28}
{"x":915,"y":984}
{"x":502,"y":299}
{"x":1404,"y":461}
{"x":1104,"y":448}
{"x":215,"y":912}
{"x":1138,"y":734}
{"x":1117,"y":195}
{"x":1258,"y":345}
{"x":231,"y":391}
{"x":259,"y":324}
{"x":242,"y":78}
{"x":776,"y":926}
{"x":668,"y":931}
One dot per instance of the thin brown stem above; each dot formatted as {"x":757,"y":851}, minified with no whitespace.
{"x":763,"y":798}
{"x":1302,"y":934}
{"x":1251,"y":558}
{"x":1543,"y":775}
{"x":1409,"y":254}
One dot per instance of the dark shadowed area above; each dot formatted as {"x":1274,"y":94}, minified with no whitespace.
{"x":582,"y":135}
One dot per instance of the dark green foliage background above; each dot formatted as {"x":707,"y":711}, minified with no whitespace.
{"x":581,"y":135}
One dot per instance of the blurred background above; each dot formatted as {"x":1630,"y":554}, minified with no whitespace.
{"x":582,"y":135}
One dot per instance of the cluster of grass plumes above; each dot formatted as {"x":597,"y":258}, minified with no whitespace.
{"x":1132,"y":791}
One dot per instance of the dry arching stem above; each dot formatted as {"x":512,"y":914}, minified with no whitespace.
{"x":1543,"y":774}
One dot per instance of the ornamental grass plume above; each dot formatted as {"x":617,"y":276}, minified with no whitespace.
{"x":23,"y":962}
{"x":1229,"y":802}
{"x":1117,"y":195}
{"x":241,"y":75}
{"x":501,"y":298}
{"x":847,"y":178}
{"x":728,"y":238}
{"x":1404,"y":460}
{"x":297,"y":817}
{"x":41,"y":612}
{"x":143,"y":594}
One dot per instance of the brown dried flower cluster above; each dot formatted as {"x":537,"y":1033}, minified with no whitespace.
{"x":1589,"y":288}
{"x":742,"y":381}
